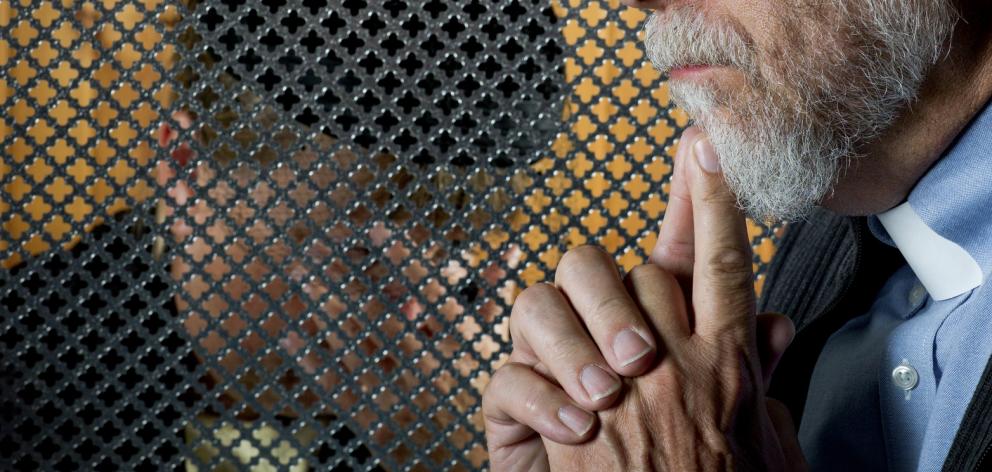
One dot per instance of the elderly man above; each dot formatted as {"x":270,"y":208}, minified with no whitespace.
{"x":874,"y":109}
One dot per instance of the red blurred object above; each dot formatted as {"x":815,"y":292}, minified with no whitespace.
{"x":182,"y":154}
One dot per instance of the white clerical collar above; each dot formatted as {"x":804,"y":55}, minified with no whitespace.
{"x":944,"y":268}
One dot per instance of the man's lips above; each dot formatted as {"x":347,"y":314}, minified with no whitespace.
{"x":686,"y":72}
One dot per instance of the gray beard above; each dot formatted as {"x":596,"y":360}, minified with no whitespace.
{"x":783,"y":154}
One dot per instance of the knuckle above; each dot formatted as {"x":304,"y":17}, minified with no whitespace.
{"x":642,"y":271}
{"x":533,"y":401}
{"x":534,"y":296}
{"x":577,"y":257}
{"x":647,"y":273}
{"x":677,"y":249}
{"x":718,"y":195}
{"x":653,"y":287}
{"x":611,"y":308}
{"x":501,"y":379}
{"x":529,"y":303}
{"x":730,"y":265}
{"x":568,"y":349}
{"x":512,"y":383}
{"x":681,"y":194}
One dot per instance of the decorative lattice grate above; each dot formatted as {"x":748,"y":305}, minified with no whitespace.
{"x":82,"y":88}
{"x":321,"y":213}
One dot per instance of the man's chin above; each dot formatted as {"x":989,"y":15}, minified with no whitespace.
{"x":704,"y":108}
{"x":722,"y":84}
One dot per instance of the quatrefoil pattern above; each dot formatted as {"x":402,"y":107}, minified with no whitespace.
{"x":472,"y":83}
{"x":82,"y":87}
{"x":340,"y":250}
{"x":348,"y":195}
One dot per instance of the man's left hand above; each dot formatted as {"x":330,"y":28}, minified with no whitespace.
{"x":703,"y":405}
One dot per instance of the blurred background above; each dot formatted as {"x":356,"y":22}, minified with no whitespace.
{"x":286,"y":234}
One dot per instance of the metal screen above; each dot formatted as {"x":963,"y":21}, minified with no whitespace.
{"x":286,"y":234}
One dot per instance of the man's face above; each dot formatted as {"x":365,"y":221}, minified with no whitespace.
{"x":789,"y":90}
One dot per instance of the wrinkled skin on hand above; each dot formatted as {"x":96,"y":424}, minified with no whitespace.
{"x":695,"y":399}
{"x":682,"y":415}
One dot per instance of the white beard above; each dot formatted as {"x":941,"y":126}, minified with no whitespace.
{"x":785,"y":139}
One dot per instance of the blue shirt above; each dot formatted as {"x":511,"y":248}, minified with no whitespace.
{"x":891,"y":386}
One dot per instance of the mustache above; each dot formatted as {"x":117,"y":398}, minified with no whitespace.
{"x":684,"y":36}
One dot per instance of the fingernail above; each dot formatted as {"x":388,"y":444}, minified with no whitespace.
{"x":597,"y":382}
{"x":629,"y":346}
{"x":576,"y":419}
{"x":706,"y":155}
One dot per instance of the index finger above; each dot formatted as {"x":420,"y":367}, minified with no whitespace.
{"x":675,"y":246}
{"x":723,"y":282}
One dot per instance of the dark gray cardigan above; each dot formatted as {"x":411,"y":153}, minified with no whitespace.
{"x":828,"y":270}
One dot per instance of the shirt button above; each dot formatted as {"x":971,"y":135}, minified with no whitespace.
{"x":917,"y":294}
{"x":905,"y":377}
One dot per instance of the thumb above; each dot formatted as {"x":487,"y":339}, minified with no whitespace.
{"x":774,"y":333}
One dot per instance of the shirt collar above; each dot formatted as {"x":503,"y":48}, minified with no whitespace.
{"x":944,"y":229}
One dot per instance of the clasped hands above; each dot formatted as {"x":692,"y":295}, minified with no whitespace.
{"x":664,"y":369}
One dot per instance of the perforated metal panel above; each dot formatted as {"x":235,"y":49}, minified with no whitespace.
{"x":330,"y":207}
